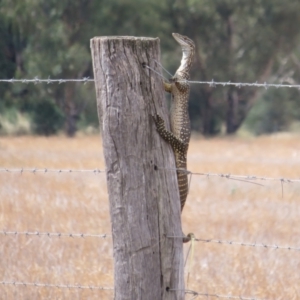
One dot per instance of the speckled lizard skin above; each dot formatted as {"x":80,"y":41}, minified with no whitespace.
{"x":180,"y":133}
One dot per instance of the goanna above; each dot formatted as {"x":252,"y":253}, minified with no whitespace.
{"x":180,"y":133}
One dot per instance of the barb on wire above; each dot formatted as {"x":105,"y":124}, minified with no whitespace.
{"x":45,"y":170}
{"x":60,"y":286}
{"x":53,"y":234}
{"x":282,"y":181}
{"x":220,"y":296}
{"x":37,"y":80}
{"x":245,"y":244}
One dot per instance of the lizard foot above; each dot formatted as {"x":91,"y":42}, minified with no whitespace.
{"x":188,"y":238}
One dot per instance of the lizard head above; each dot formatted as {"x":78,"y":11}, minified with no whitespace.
{"x":188,"y":51}
{"x":186,"y":43}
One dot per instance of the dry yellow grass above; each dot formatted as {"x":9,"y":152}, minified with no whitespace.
{"x":216,"y":208}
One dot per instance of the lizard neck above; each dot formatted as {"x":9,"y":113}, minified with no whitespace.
{"x":186,"y":63}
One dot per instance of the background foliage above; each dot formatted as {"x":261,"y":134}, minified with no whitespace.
{"x":244,"y":41}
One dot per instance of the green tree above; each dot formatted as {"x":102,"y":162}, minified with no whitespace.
{"x":56,"y":36}
{"x":236,"y":41}
{"x":8,"y":58}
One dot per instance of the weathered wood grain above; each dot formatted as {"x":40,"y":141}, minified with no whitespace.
{"x":144,"y":199}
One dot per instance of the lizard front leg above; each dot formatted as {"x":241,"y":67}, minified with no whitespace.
{"x":168,"y":87}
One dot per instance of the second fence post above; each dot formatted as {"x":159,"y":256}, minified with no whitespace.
{"x":141,"y":177}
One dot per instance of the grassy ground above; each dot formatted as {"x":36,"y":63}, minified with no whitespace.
{"x":217,"y":208}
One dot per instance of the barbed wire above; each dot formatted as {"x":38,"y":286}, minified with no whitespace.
{"x":54,"y":234}
{"x":60,"y":286}
{"x":245,"y":244}
{"x":92,"y":287}
{"x":234,"y":177}
{"x":248,"y":178}
{"x":220,"y":296}
{"x":46,"y":170}
{"x":265,"y":85}
{"x":105,"y":235}
{"x":211,"y":83}
{"x":37,"y":80}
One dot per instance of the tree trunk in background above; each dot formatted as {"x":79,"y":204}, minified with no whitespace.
{"x":234,"y":117}
{"x":241,"y":100}
{"x":208,"y":127}
{"x":70,"y":110}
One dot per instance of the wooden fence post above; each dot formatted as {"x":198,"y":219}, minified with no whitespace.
{"x":143,"y":196}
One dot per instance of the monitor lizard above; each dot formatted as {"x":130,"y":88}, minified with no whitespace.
{"x":180,"y":133}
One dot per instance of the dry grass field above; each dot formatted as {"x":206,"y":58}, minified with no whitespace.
{"x":217,"y":208}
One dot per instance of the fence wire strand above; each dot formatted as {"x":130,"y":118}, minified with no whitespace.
{"x":245,"y":244}
{"x":105,"y":235}
{"x":215,"y":295}
{"x":93,"y":287}
{"x":53,"y":234}
{"x":37,"y":80}
{"x":211,"y":83}
{"x":245,"y":178}
{"x":46,"y":170}
{"x":265,"y":85}
{"x":59,"y":286}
